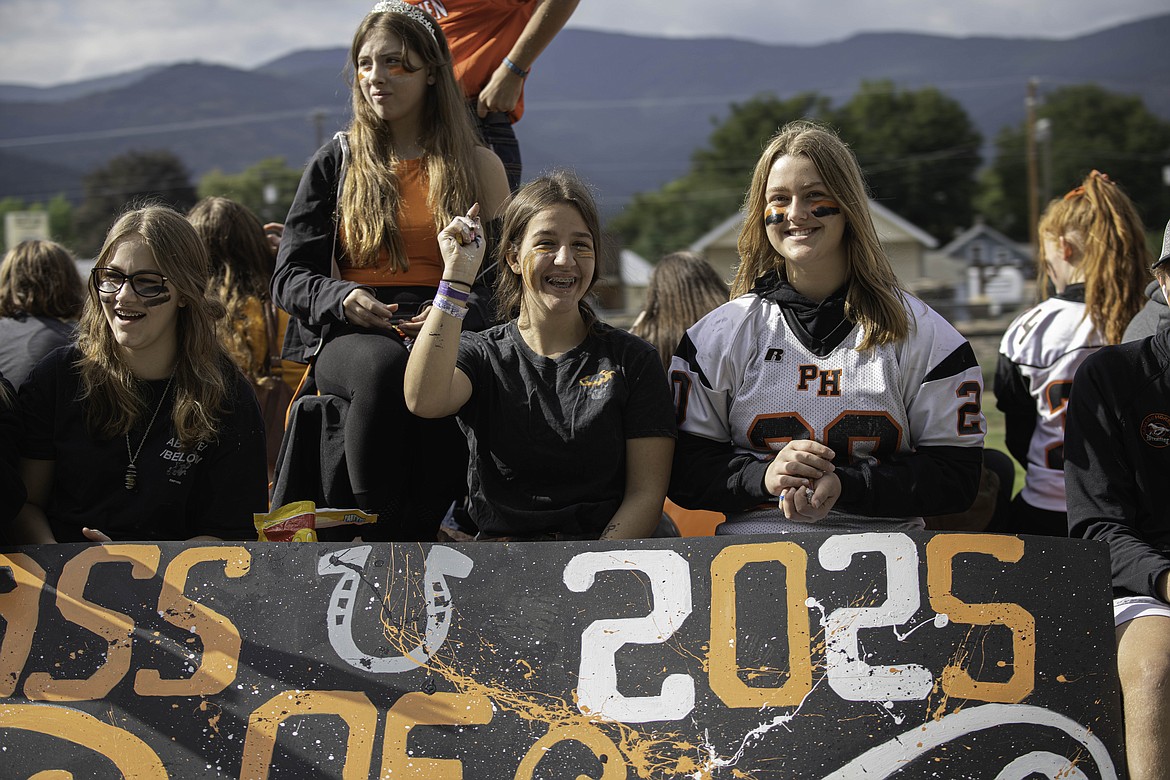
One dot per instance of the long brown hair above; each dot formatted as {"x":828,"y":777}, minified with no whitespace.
{"x":241,"y":269}
{"x":875,"y":299}
{"x":534,"y":197}
{"x":39,"y":278}
{"x":1100,"y":220}
{"x":683,"y":287}
{"x":203,"y":371}
{"x":370,"y":197}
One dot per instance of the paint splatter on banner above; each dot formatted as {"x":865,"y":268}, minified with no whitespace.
{"x":814,"y":656}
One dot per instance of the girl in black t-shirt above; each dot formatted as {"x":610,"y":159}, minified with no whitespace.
{"x":145,"y":429}
{"x":569,"y":421}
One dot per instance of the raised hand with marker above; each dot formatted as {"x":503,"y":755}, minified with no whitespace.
{"x":578,"y":389}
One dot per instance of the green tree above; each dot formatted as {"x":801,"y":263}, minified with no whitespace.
{"x":267,"y":187}
{"x":684,"y":209}
{"x":61,"y":220}
{"x":1002,"y":197}
{"x":1088,"y":128}
{"x":129,"y":179}
{"x":919,"y":150}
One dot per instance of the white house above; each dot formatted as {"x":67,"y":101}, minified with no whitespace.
{"x":635,"y":273}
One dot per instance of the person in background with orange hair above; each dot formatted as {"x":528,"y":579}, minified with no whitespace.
{"x":40,"y":300}
{"x":241,"y":271}
{"x":1094,"y":251}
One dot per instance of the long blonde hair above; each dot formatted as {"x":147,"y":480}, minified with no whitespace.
{"x":203,"y":371}
{"x":875,"y":299}
{"x":1100,"y":220}
{"x":683,"y":288}
{"x":370,"y":198}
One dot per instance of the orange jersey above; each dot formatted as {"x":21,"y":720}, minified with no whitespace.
{"x":480,"y":34}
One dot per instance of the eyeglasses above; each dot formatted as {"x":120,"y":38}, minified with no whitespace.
{"x":148,"y":284}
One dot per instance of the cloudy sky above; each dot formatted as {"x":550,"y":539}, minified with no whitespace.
{"x":43,"y":42}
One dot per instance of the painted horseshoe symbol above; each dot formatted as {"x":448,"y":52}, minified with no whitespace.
{"x":349,"y":564}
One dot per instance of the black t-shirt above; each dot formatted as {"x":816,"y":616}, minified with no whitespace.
{"x":213,"y":489}
{"x":548,"y":435}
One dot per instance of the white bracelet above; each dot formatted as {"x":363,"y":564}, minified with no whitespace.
{"x":447,"y":307}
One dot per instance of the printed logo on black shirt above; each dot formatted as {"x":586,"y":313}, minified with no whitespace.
{"x":595,"y":384}
{"x":1156,"y":430}
{"x":181,"y":460}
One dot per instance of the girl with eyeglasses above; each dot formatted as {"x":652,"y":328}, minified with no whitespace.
{"x":144,"y":430}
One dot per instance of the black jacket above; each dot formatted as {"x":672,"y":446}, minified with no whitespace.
{"x":1117,"y":458}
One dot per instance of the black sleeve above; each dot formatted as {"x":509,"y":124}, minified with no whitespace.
{"x":303,"y":284}
{"x":1019,"y":408}
{"x":930,"y":481}
{"x":1099,"y":479}
{"x":12,"y":492}
{"x":649,"y":409}
{"x":708,"y":474}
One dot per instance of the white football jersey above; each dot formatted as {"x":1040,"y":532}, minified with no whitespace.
{"x":752,"y":382}
{"x":1047,"y":344}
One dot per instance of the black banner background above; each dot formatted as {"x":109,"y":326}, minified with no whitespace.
{"x":934,"y":687}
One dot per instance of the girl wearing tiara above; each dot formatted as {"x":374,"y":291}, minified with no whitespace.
{"x":371,"y":204}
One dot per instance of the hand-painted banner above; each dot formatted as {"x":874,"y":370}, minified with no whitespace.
{"x":808,"y":656}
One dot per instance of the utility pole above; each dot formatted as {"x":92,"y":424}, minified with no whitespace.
{"x":1033,"y":178}
{"x":318,"y":117}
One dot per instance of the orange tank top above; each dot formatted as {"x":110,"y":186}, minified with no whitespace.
{"x":417,"y":226}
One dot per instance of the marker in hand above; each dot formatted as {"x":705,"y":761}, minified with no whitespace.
{"x":473,"y":228}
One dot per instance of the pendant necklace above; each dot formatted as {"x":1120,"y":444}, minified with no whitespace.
{"x":132,"y":470}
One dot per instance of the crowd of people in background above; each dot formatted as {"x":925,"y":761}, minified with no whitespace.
{"x":418,"y":341}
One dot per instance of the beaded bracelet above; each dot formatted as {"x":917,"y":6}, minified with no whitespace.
{"x":455,"y":295}
{"x":447,"y":307}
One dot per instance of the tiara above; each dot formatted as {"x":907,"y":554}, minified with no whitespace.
{"x":406,"y":9}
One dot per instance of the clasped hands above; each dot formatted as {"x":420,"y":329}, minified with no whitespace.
{"x":801,"y":475}
{"x":462,"y":246}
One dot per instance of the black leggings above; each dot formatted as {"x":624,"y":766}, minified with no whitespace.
{"x":405,"y":468}
{"x":1028,"y":519}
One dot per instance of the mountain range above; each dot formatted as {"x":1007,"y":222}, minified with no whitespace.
{"x":625,"y":111}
